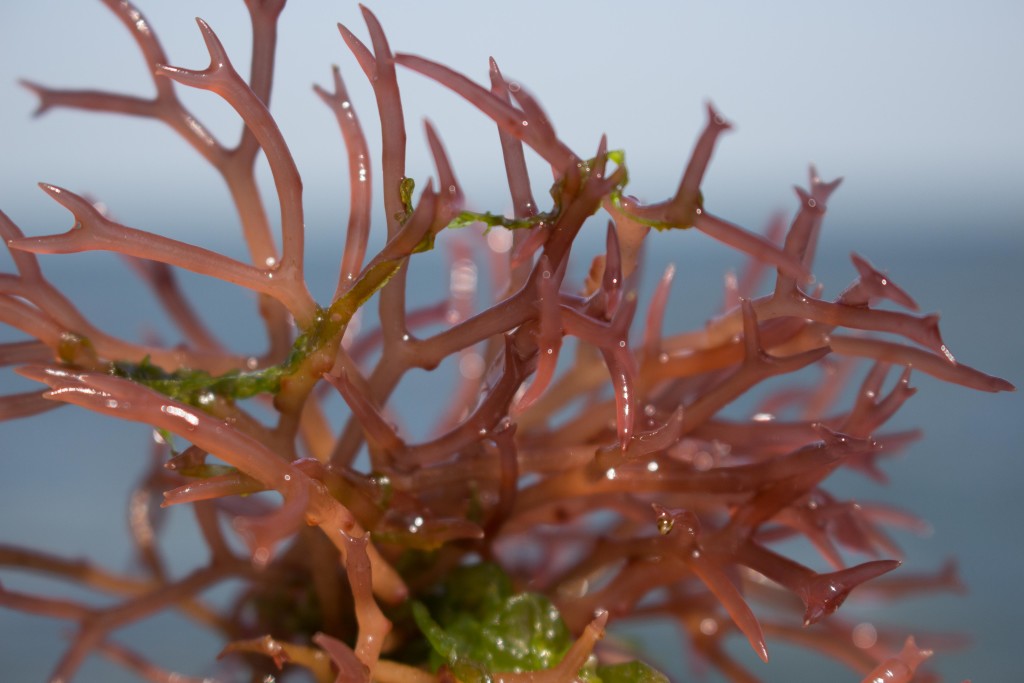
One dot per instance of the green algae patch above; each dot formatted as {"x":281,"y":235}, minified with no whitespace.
{"x":477,"y":626}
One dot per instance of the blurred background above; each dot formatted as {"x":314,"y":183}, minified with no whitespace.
{"x":916,"y":104}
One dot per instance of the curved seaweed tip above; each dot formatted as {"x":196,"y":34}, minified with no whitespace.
{"x":902,"y":667}
{"x":502,"y":545}
{"x":43,"y":103}
{"x":824,"y":593}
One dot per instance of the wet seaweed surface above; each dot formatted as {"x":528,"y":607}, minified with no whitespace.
{"x":588,"y":466}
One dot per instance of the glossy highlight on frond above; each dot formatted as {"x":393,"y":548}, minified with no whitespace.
{"x":587,"y":469}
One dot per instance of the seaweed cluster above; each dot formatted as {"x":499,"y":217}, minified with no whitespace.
{"x":586,"y":471}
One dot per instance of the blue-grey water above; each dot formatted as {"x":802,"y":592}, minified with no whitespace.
{"x":65,"y":475}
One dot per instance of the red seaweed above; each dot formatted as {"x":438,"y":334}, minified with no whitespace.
{"x":562,"y":436}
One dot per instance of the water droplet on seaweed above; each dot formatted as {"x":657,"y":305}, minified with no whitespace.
{"x":709,"y":626}
{"x":261,"y":556}
{"x":703,"y":461}
{"x":864,"y":635}
{"x":946,"y":352}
